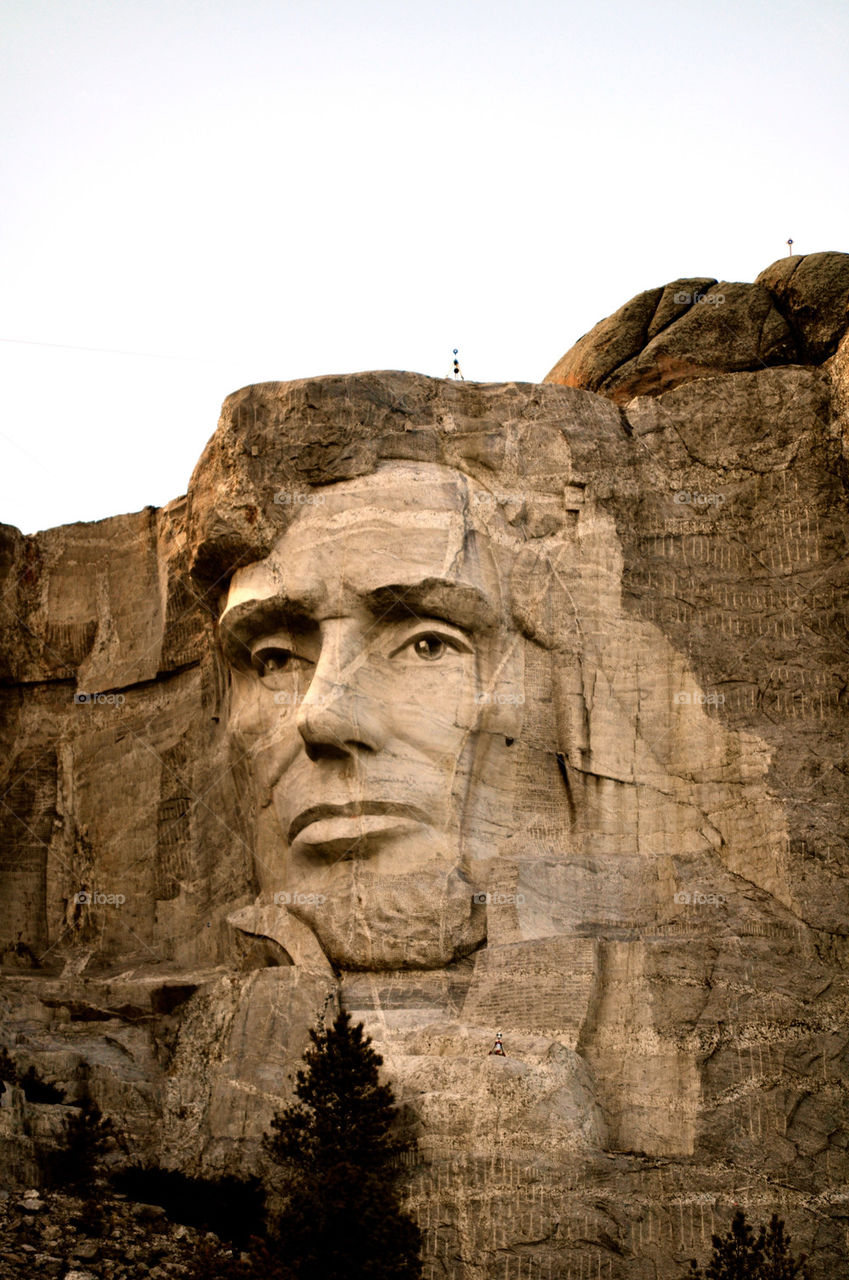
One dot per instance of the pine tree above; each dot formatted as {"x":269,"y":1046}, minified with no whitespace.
{"x":75,"y":1165}
{"x":343,"y":1219}
{"x":778,"y":1262}
{"x":740,"y":1255}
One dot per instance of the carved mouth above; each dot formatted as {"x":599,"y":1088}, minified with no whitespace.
{"x":354,"y":809}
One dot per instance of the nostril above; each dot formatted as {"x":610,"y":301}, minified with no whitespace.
{"x":336,"y":721}
{"x":325,"y":750}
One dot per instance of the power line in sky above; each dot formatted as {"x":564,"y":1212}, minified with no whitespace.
{"x":108,"y":351}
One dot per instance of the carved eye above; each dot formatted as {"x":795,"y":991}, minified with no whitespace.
{"x":430,"y":647}
{"x":271,"y":661}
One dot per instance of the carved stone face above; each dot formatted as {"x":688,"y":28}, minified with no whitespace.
{"x":377,"y":689}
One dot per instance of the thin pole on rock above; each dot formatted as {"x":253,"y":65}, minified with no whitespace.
{"x":455,"y":372}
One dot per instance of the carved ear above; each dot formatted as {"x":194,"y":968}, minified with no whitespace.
{"x":572,"y":718}
{"x":502,"y":707}
{"x":543,"y":589}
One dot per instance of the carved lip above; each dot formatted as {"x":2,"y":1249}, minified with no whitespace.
{"x":353,"y":809}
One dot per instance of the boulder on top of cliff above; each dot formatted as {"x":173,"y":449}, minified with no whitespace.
{"x":794,"y":313}
{"x":812,"y":293}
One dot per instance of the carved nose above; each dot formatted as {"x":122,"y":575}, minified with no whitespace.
{"x":337,"y":718}
{"x":338,"y":722}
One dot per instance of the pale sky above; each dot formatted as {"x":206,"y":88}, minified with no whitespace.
{"x":201,"y":195}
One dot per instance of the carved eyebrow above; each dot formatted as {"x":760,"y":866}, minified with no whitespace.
{"x":240,"y":626}
{"x":457,"y":603}
{"x":454,"y":602}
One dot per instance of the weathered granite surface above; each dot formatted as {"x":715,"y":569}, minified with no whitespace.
{"x":577,"y":665}
{"x":795,"y":313}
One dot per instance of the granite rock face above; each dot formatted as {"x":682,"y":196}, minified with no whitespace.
{"x":795,"y":313}
{"x":469,"y":708}
{"x":812,"y":293}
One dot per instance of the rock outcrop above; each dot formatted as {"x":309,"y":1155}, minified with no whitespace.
{"x":61,"y":1237}
{"x":794,"y":314}
{"x":626,"y":654}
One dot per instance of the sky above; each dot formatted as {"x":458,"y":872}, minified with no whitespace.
{"x":201,"y":195}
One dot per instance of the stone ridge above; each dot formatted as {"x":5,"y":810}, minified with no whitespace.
{"x":276,"y":439}
{"x":667,"y":916}
{"x":795,"y":313}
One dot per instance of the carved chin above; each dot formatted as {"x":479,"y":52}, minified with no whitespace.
{"x":417,"y":921}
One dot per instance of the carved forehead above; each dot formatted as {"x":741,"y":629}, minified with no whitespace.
{"x":409,"y":511}
{"x":401,"y":487}
{"x":402,"y":526}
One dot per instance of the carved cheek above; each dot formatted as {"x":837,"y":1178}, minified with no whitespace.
{"x":249,"y":709}
{"x":263,"y":721}
{"x":430,"y":705}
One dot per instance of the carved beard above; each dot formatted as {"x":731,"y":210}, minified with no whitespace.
{"x":422,"y":920}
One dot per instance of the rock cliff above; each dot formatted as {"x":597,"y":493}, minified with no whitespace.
{"x":653,"y":818}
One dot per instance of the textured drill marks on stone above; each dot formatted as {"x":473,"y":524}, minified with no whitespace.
{"x":29,"y":811}
{"x":477,"y":708}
